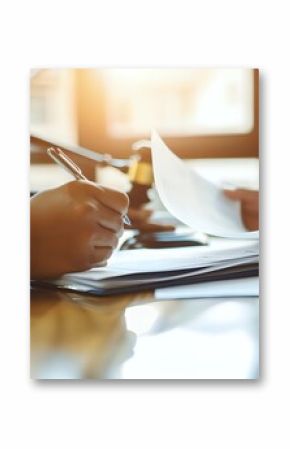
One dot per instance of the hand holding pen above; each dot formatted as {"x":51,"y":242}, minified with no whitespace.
{"x":75,"y":226}
{"x":64,"y":161}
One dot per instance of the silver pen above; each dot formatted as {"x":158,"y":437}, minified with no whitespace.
{"x":64,"y":161}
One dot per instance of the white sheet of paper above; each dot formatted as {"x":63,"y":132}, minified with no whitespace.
{"x":244,"y":287}
{"x":170,"y":259}
{"x":192,"y":199}
{"x":118,"y":281}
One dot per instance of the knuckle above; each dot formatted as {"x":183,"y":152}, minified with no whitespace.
{"x":124,"y":201}
{"x":115,"y":219}
{"x":120,"y":198}
{"x":83,"y":208}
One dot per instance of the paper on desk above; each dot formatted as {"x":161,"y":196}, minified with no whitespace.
{"x":192,"y":199}
{"x":245,"y":287}
{"x":169,"y":259}
{"x":138,"y":278}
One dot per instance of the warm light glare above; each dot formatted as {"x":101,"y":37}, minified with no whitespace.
{"x":179,"y":101}
{"x":176,"y":102}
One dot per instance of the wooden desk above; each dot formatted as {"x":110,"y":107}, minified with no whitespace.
{"x":77,"y":336}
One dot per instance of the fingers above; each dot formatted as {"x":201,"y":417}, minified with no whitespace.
{"x":242,"y":195}
{"x":105,"y":237}
{"x":98,"y":205}
{"x":94,"y":251}
{"x":141,"y":220}
{"x":110,"y":198}
{"x":100,"y":264}
{"x":109,"y":219}
{"x":99,"y":255}
{"x":113,"y":199}
{"x":139,"y":214}
{"x":249,"y":200}
{"x":101,"y":247}
{"x":153,"y":227}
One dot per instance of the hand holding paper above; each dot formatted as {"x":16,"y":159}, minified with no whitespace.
{"x":192,"y":199}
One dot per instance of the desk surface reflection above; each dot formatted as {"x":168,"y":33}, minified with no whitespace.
{"x":76,"y":336}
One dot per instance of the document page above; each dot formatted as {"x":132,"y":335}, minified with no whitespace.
{"x":244,"y":287}
{"x":192,"y":199}
{"x":127,"y":262}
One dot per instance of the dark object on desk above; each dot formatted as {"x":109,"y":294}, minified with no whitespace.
{"x":164,"y":240}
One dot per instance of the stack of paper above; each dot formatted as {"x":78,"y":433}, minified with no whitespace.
{"x":135,"y":270}
{"x":231,"y":288}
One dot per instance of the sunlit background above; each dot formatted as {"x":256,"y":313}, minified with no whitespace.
{"x":53,"y":104}
{"x":179,"y":102}
{"x":115,"y":104}
{"x":201,"y":113}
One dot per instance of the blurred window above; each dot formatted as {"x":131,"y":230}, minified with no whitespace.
{"x":178,"y":102}
{"x":200,"y":112}
{"x":52,"y":104}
